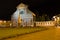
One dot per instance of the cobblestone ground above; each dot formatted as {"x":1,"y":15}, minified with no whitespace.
{"x":50,"y":34}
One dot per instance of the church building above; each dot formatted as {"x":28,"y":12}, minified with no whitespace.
{"x":23,"y":16}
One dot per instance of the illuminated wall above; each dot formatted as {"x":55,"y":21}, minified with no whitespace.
{"x":46,"y":23}
{"x":25,"y":15}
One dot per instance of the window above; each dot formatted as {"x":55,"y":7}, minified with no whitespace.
{"x":21,"y":12}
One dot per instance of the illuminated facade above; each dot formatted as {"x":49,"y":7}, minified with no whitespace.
{"x":22,"y":16}
{"x":57,"y":19}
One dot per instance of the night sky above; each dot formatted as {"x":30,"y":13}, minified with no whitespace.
{"x":39,"y":7}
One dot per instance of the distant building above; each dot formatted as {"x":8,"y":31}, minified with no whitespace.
{"x":57,"y":19}
{"x":22,"y":16}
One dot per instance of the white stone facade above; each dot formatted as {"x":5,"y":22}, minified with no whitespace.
{"x":25,"y":15}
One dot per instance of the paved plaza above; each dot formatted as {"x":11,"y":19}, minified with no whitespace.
{"x":50,"y":34}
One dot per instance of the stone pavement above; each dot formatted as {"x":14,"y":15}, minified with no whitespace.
{"x":50,"y":34}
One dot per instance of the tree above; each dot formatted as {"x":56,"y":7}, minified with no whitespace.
{"x":44,"y":17}
{"x":47,"y":18}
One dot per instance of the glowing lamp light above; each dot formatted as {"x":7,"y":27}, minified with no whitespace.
{"x":58,"y":18}
{"x":55,"y":20}
{"x":0,"y":21}
{"x":4,"y":21}
{"x":10,"y":24}
{"x":54,"y":16}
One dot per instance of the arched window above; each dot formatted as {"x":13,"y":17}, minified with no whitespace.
{"x":21,"y":12}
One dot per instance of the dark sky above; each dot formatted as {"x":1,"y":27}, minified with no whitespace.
{"x":39,"y":7}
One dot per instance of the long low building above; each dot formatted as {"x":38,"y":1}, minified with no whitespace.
{"x":40,"y":23}
{"x":4,"y":23}
{"x":46,"y":23}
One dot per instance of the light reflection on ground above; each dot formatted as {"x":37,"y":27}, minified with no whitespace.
{"x":50,"y":34}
